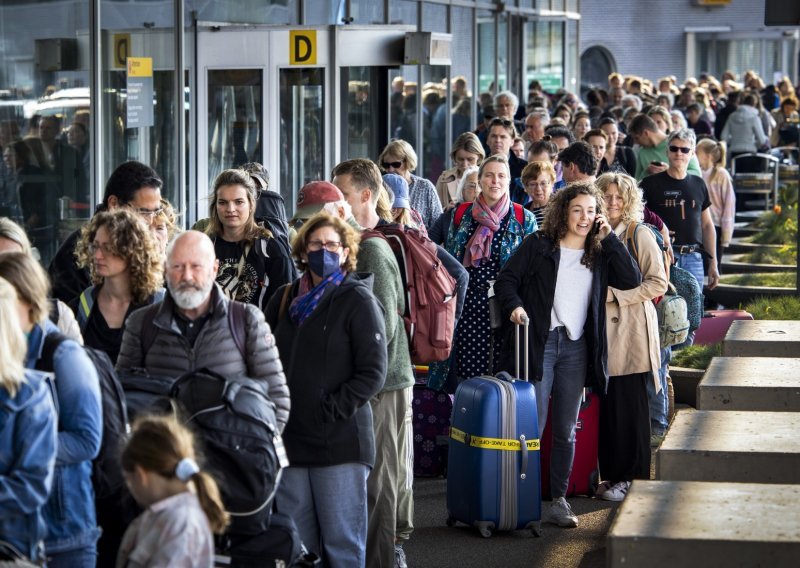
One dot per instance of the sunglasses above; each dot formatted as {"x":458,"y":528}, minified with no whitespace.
{"x":501,"y":122}
{"x":681,"y":149}
{"x":395,"y":165}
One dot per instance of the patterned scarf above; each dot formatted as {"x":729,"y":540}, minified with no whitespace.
{"x":488,"y":219}
{"x":307,"y":297}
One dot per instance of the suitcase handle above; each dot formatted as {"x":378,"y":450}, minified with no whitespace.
{"x":525,"y":324}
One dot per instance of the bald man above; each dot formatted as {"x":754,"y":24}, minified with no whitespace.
{"x":191,"y":329}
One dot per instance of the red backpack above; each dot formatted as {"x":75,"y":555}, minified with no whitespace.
{"x":430,"y":292}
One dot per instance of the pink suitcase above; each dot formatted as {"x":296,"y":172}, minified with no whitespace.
{"x":715,"y":324}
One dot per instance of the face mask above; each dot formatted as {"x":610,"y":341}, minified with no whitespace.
{"x":323,"y":263}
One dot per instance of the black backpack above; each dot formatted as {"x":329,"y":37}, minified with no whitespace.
{"x":234,"y":420}
{"x":106,"y":469}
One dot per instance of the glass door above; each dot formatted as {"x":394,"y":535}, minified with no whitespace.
{"x":365,"y":128}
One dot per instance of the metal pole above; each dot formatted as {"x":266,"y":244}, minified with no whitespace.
{"x":179,"y":139}
{"x":95,"y":117}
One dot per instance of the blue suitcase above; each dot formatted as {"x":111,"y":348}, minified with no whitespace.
{"x":494,"y":465}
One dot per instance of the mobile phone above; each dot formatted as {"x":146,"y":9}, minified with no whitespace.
{"x":595,"y":228}
{"x":655,"y":163}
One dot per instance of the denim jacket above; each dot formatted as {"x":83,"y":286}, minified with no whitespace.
{"x":69,"y":512}
{"x":27,"y":460}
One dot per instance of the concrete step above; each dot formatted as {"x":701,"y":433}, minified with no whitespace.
{"x":750,"y":383}
{"x":669,"y":524}
{"x":735,"y":446}
{"x":762,"y":338}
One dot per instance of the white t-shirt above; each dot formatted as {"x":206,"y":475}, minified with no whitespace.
{"x":573,"y":292}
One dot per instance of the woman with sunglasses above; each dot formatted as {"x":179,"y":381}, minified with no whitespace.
{"x":330,"y":331}
{"x":483,"y":235}
{"x":399,"y":158}
{"x":252,"y":263}
{"x":125,"y":263}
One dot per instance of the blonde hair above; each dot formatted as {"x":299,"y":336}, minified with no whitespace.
{"x":469,"y":143}
{"x":664,"y":114}
{"x":158,"y":444}
{"x":628,"y":191}
{"x":402,"y":150}
{"x":29,"y":280}
{"x":13,"y":345}
{"x":13,"y":232}
{"x":243,"y":179}
{"x":169,"y":217}
{"x":348,"y":235}
{"x":132,"y":241}
{"x":383,"y":205}
{"x":718,"y":153}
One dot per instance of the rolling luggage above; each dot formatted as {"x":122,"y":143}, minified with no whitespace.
{"x":431,"y":410}
{"x":493,"y":475}
{"x":715,"y":325}
{"x":585,"y":475}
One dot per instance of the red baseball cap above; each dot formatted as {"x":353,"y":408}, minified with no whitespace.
{"x":313,"y":197}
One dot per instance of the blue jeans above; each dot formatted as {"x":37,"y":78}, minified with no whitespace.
{"x":693,"y":262}
{"x":80,"y":558}
{"x":659,"y":402}
{"x":329,"y":505}
{"x":563,"y":378}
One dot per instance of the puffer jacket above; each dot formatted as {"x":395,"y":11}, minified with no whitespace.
{"x":743,"y":132}
{"x":335,"y":363}
{"x":171,"y":354}
{"x":27,"y":462}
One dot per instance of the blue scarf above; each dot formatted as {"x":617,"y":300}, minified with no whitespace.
{"x":307,"y":297}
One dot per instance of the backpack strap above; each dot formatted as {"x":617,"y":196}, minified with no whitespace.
{"x":630,"y":238}
{"x":461,"y":208}
{"x":85,"y":305}
{"x":51,"y":342}
{"x":54,"y":313}
{"x":519,"y":213}
{"x":237,"y":322}
{"x":149,"y":332}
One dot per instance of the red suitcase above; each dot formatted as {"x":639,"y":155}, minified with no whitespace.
{"x":585,"y":476}
{"x":715,"y":324}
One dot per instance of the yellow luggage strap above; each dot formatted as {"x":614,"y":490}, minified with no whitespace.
{"x":492,"y":443}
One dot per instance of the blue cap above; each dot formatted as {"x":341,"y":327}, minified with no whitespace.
{"x":399,"y":188}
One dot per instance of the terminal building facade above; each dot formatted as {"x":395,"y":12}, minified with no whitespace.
{"x":297,"y":85}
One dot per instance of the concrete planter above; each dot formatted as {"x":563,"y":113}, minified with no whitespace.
{"x":740,"y":246}
{"x":684,"y":383}
{"x":734,"y":295}
{"x":734,"y":264}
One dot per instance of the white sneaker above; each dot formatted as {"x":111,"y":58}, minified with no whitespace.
{"x":559,"y":513}
{"x":602,"y":488}
{"x":617,"y":492}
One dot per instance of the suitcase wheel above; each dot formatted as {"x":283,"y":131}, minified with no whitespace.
{"x":485,"y":528}
{"x":535,"y":528}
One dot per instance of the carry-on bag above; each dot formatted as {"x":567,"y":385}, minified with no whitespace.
{"x":493,"y":463}
{"x":431,"y":410}
{"x":585,"y":475}
{"x":715,"y":325}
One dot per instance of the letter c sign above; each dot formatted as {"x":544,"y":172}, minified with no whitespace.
{"x":303,"y":47}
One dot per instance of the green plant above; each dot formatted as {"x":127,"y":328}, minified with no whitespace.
{"x":777,"y":308}
{"x":696,"y":356}
{"x":784,"y":255}
{"x":774,"y":280}
{"x":778,"y":227}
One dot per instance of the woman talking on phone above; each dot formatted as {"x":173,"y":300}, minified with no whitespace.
{"x":558,"y":280}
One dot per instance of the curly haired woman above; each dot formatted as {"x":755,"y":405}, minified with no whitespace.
{"x":125,"y":264}
{"x":558,"y":279}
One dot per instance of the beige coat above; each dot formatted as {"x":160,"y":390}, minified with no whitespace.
{"x":631,"y":321}
{"x":447,"y":187}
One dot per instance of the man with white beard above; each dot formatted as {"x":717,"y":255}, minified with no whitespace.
{"x":195,"y":327}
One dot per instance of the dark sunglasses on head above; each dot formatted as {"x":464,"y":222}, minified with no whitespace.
{"x":501,"y":122}
{"x":387,"y":165}
{"x":681,"y":149}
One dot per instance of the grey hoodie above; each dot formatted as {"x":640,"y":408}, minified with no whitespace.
{"x":743,"y":131}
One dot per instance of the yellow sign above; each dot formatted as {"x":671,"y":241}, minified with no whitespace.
{"x":122,"y":48}
{"x":140,"y":67}
{"x":303,"y":47}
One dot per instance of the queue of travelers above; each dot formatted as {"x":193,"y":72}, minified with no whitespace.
{"x":553,"y":207}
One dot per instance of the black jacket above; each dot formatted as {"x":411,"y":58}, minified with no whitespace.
{"x":335,"y":362}
{"x":68,"y":279}
{"x":529,"y":280}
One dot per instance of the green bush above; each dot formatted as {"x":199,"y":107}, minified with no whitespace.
{"x":696,"y":356}
{"x":784,"y":255}
{"x":774,"y":280}
{"x":777,"y":308}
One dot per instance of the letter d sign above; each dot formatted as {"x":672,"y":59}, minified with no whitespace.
{"x":303,"y":47}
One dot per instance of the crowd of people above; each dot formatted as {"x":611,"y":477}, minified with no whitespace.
{"x":552,"y":209}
